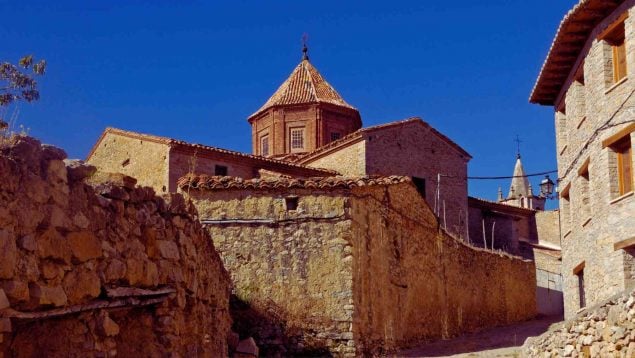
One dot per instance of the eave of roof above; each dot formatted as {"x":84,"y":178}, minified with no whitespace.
{"x":358,"y":135}
{"x":174,"y":143}
{"x":570,"y":40}
{"x":214,"y":183}
{"x":502,"y":207}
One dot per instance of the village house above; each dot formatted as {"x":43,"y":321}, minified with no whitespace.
{"x":586,"y":79}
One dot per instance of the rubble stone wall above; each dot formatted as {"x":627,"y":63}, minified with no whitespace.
{"x":413,"y":282}
{"x":604,"y":330}
{"x":104,"y":269}
{"x":356,"y":271}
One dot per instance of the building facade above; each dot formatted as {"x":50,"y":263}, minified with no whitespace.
{"x":586,"y":79}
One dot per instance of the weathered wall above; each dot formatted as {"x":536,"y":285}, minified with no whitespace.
{"x":355,"y":271}
{"x":604,"y":330}
{"x":183,"y":163}
{"x":292,"y":278}
{"x":349,"y":160}
{"x":413,"y":282}
{"x":146,"y":161}
{"x":419,"y":153}
{"x":548,"y":226}
{"x":102,"y":270}
{"x":594,"y":217}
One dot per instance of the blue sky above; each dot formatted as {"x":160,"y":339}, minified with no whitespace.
{"x":195,"y":70}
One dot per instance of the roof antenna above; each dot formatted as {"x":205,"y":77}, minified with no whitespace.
{"x":518,"y":141}
{"x":305,"y":49}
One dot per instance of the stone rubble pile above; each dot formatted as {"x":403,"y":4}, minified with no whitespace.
{"x":605,"y":330}
{"x":102,"y":268}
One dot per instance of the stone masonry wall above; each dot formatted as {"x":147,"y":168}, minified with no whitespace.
{"x":292,"y":278}
{"x":355,"y":271}
{"x":412,"y":282}
{"x":146,"y":161}
{"x":350,"y":160}
{"x":595,"y":217}
{"x":103,"y":270}
{"x":604,"y":330}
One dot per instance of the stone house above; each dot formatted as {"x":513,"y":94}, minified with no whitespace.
{"x":412,"y":148}
{"x":352,"y":266}
{"x":158,"y":162}
{"x":586,"y":79}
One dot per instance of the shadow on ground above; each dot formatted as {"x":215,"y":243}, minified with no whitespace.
{"x":490,"y":342}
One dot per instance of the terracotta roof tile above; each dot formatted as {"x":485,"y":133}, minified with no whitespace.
{"x":206,"y":182}
{"x":304,"y":85}
{"x":203,"y":148}
{"x":571,"y":37}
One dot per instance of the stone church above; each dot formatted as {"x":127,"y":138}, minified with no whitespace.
{"x":339,"y":239}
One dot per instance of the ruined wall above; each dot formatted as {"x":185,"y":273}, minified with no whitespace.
{"x":146,"y":161}
{"x":349,"y":160}
{"x":292,"y":275}
{"x":412,"y":282}
{"x":102,"y":270}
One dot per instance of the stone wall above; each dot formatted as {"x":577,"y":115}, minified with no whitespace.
{"x":104,"y":269}
{"x":593,"y":215}
{"x":349,"y":160}
{"x":412,"y":282}
{"x":147,"y":161}
{"x":355,"y":270}
{"x":604,"y":330}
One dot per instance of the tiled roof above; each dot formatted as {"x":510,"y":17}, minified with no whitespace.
{"x":352,"y":137}
{"x":304,"y":85}
{"x":570,"y":40}
{"x":206,"y":182}
{"x":205,"y":148}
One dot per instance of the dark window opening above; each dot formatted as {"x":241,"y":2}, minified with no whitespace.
{"x":220,"y":170}
{"x":580,"y":275}
{"x":335,"y":136}
{"x":291,"y":203}
{"x":420,"y":183}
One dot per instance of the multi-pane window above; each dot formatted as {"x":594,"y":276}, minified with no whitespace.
{"x":624,"y":153}
{"x":335,"y":136}
{"x":264,"y":145}
{"x":297,"y":138}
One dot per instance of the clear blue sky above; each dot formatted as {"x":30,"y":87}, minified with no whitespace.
{"x":194,"y":70}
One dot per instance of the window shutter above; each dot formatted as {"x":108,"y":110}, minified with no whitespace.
{"x":620,"y":59}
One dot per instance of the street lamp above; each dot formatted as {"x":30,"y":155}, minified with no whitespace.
{"x":546,"y":188}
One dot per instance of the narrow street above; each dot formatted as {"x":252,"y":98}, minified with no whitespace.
{"x":503,"y":341}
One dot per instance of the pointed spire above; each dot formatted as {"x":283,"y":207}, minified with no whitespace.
{"x":500,"y":194}
{"x":530,"y":192}
{"x":520,"y":183}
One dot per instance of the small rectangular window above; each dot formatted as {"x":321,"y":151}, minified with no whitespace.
{"x":624,"y":153}
{"x":291,"y":203}
{"x":264,"y":146}
{"x":296,"y":139}
{"x":581,"y":293}
{"x":220,"y":170}
{"x":335,"y":136}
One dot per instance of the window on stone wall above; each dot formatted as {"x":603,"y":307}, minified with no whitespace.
{"x":296,"y":139}
{"x":615,"y":37}
{"x":561,"y":128}
{"x":623,"y":158}
{"x":565,"y":211}
{"x":581,"y":290}
{"x":264,"y":145}
{"x":291,"y":203}
{"x":579,"y":96}
{"x":335,"y":136}
{"x":584,"y":193}
{"x":220,"y":170}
